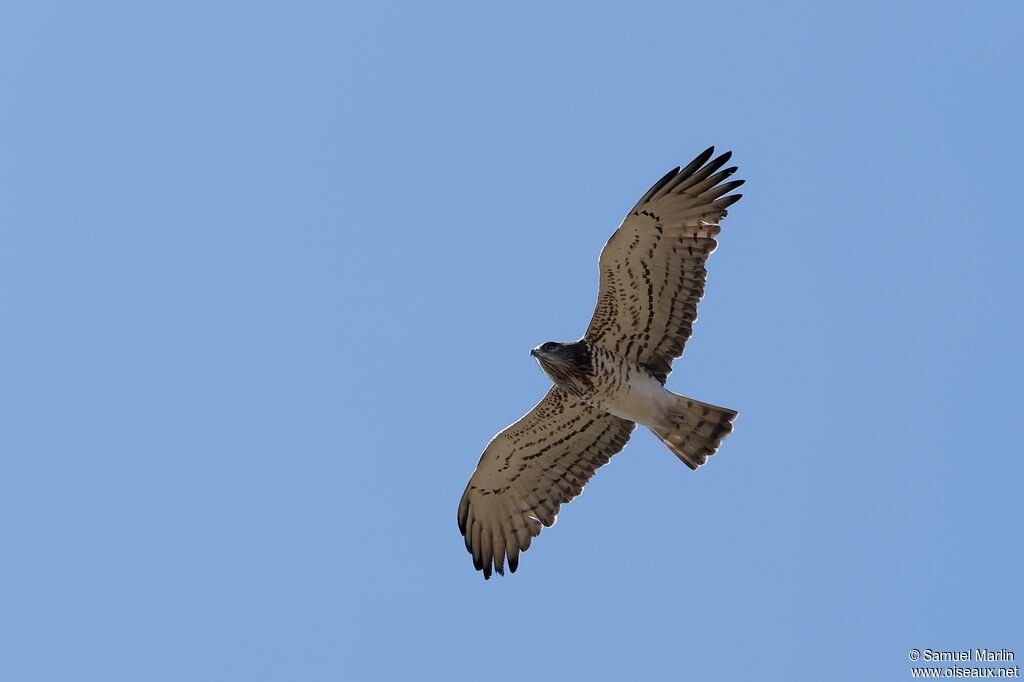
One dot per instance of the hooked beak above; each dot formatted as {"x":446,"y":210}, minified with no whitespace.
{"x":533,"y":352}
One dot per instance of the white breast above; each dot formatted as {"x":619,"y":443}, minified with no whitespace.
{"x":642,"y":399}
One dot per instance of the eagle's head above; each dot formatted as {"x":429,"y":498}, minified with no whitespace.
{"x":568,"y":364}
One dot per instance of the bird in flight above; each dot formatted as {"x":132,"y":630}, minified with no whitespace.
{"x":651,"y":279}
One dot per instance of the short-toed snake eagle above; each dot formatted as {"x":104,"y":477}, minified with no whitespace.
{"x":652,"y":276}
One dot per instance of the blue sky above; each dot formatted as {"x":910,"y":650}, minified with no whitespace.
{"x":269,"y":276}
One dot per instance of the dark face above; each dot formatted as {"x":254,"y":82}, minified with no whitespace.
{"x":568,"y":364}
{"x":546,"y":349}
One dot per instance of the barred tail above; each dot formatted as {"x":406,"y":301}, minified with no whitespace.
{"x":697,"y":430}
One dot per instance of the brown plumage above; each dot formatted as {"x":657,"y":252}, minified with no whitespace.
{"x":651,"y":278}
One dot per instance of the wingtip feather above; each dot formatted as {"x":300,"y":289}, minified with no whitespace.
{"x":701,"y":159}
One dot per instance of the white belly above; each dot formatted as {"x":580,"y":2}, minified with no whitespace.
{"x":642,"y":399}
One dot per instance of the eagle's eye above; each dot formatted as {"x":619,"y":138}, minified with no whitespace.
{"x":549,"y":346}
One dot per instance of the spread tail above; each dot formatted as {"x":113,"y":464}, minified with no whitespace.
{"x":696,"y":430}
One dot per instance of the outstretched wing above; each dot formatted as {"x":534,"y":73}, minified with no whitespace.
{"x":652,"y":268}
{"x":529,"y":470}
